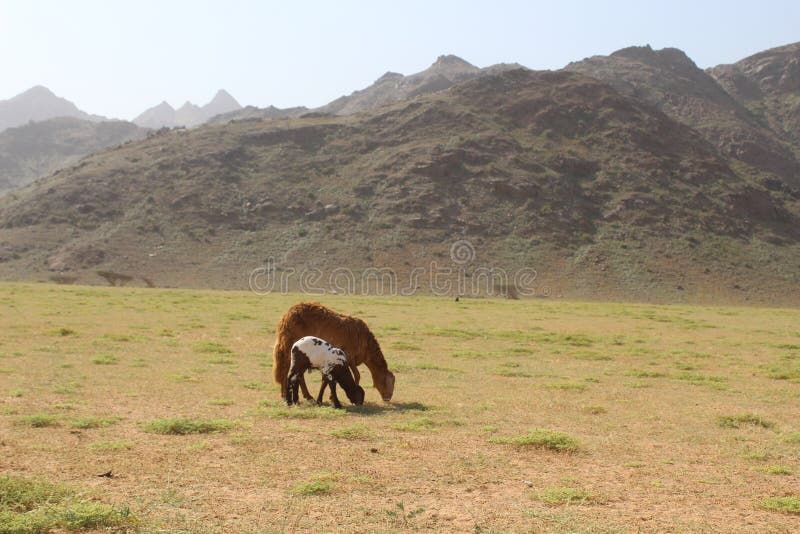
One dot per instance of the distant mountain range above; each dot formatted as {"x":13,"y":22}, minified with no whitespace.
{"x":38,"y":104}
{"x":393,"y":87}
{"x":188,"y":115}
{"x":636,"y":176}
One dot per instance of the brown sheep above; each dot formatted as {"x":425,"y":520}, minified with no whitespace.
{"x":351,"y":334}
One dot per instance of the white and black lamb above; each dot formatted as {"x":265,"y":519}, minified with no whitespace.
{"x":312,"y":352}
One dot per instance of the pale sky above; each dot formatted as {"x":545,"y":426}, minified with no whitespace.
{"x":117,"y":58}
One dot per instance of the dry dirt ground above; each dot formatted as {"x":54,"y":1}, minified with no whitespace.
{"x":643,"y":390}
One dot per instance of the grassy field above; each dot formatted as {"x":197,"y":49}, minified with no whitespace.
{"x":508,"y":416}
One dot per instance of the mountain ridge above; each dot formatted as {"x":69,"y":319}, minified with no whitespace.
{"x":36,"y":104}
{"x":633,"y":176}
{"x":188,"y":115}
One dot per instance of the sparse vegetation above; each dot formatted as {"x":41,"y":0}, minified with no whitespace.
{"x":789,"y":505}
{"x":452,"y":423}
{"x":182,"y":426}
{"x":565,"y":495}
{"x":352,"y":432}
{"x":30,"y":506}
{"x":543,"y":439}
{"x":314,"y":487}
{"x":94,"y":422}
{"x":40,"y":420}
{"x":114,"y":445}
{"x":105,"y":359}
{"x":737,"y":421}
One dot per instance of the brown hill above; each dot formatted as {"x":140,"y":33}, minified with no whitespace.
{"x":603,"y":194}
{"x":254,"y":113}
{"x":672,"y":82}
{"x":393,"y":87}
{"x":40,"y":148}
{"x":768,"y":84}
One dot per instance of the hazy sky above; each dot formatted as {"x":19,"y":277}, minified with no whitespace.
{"x":116,"y":58}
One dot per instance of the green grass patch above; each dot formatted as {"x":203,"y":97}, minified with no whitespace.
{"x":300,"y":411}
{"x":65,"y":332}
{"x":354,"y":432}
{"x":737,"y":421}
{"x":105,"y":359}
{"x":255,"y":386}
{"x":573,"y":340}
{"x":541,"y":438}
{"x":16,"y":393}
{"x":182,"y":426}
{"x":789,"y":505}
{"x":94,"y":422}
{"x":222,"y":361}
{"x":403,"y":346}
{"x":792,"y":437}
{"x":638,"y":373}
{"x":114,"y":445}
{"x":566,"y":386}
{"x":222,"y":402}
{"x":40,"y":420}
{"x":314,"y":487}
{"x":212,"y":347}
{"x":591,"y":356}
{"x":562,"y":495}
{"x":425,"y":366}
{"x":416,"y":425}
{"x":778,"y":470}
{"x":33,"y":506}
{"x":695,"y":379}
{"x":512,"y":373}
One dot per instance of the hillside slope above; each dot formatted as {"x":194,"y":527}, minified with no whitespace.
{"x":671,"y":81}
{"x":603,"y":194}
{"x":392,"y":87}
{"x":768,"y":84}
{"x":40,"y":148}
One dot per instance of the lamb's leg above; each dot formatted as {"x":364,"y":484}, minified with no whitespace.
{"x":334,"y":398}
{"x":356,"y":374}
{"x":291,"y":389}
{"x":306,"y":394}
{"x":322,"y":390}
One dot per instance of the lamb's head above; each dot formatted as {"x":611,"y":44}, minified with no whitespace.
{"x":356,"y":395}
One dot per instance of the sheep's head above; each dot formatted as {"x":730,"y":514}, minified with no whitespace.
{"x":386,"y":386}
{"x":356,"y":396}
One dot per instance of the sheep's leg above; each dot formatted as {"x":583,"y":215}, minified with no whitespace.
{"x":334,"y":398}
{"x":322,"y":390}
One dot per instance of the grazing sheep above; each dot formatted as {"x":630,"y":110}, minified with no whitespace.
{"x":350,"y":333}
{"x":312,"y":352}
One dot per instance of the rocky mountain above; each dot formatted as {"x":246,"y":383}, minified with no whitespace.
{"x":188,"y":115}
{"x":38,"y":149}
{"x":768,"y":84}
{"x":671,"y":81}
{"x":604,"y":193}
{"x":392,"y":87}
{"x":255,"y":113}
{"x":38,"y":104}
